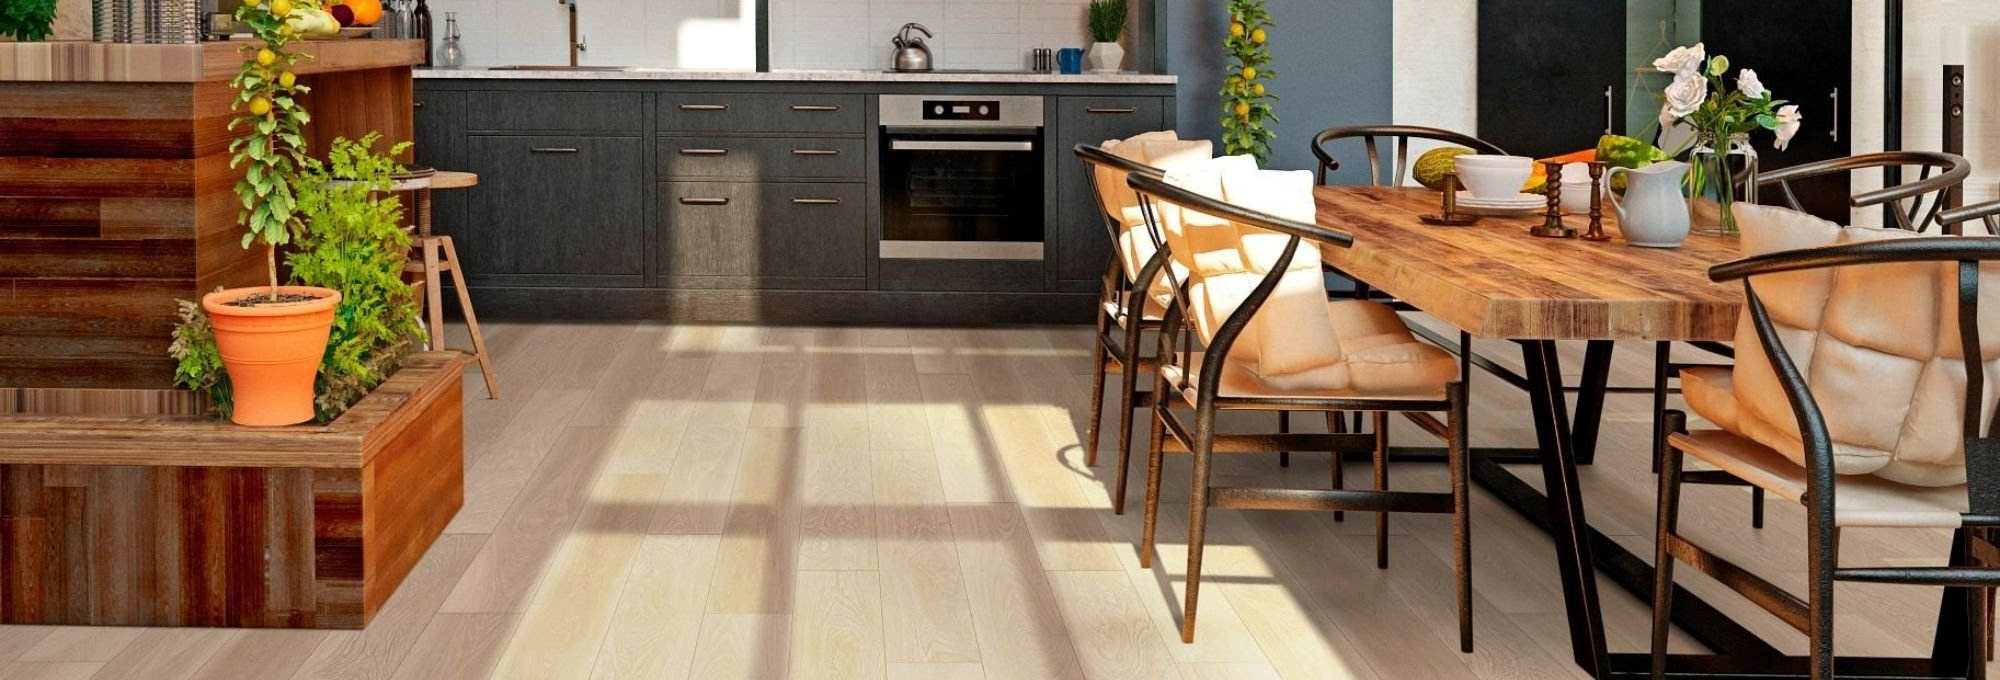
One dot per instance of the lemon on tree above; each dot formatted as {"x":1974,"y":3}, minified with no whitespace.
{"x":1236,"y":28}
{"x":288,"y":79}
{"x":1249,"y":73}
{"x":265,"y":57}
{"x":1257,"y":36}
{"x":281,"y":7}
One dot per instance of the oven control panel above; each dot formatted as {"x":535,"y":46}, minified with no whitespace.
{"x":944,"y":109}
{"x":989,"y":111}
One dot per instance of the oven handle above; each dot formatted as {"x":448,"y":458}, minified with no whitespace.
{"x":920,"y":145}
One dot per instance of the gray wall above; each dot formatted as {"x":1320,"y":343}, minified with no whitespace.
{"x":1333,"y":60}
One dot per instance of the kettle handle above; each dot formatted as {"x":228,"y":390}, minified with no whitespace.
{"x":1615,"y":205}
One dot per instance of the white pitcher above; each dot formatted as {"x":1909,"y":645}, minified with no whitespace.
{"x":1654,"y":213}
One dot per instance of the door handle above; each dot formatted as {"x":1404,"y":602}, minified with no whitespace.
{"x":704,"y":201}
{"x":1111,"y":109}
{"x":815,"y":107}
{"x":704,"y":107}
{"x":552,"y":149}
{"x":906,"y":145}
{"x":816,"y":201}
{"x":815,"y":152}
{"x":1608,"y":100}
{"x":704,"y":152}
{"x":1834,"y":131}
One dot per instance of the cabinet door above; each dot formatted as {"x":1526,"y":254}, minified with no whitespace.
{"x":568,"y":209}
{"x":439,"y":142}
{"x":1081,"y":246}
{"x":1551,"y":73}
{"x":773,"y":231}
{"x":1818,"y":80}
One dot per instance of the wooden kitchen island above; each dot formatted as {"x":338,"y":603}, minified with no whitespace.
{"x":121,"y":503}
{"x":115,"y":192}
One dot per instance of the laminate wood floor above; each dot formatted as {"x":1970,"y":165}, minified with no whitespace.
{"x":716,"y":502}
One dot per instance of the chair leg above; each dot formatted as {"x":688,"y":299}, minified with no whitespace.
{"x":1461,"y":509}
{"x":1103,"y":361}
{"x":1756,"y":507}
{"x":1666,"y":522}
{"x":1382,"y":484}
{"x":471,"y":320}
{"x":1284,"y":427}
{"x":1204,"y":440}
{"x":1336,"y":422}
{"x":1156,"y":452}
{"x":1823,"y":547}
{"x":433,"y":292}
{"x":1661,"y":353}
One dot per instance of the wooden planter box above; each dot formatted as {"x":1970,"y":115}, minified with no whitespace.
{"x":186,"y":521}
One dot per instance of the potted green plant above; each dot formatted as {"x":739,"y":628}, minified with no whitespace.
{"x":27,"y":20}
{"x":270,"y":339}
{"x":350,"y":240}
{"x":1107,"y":25}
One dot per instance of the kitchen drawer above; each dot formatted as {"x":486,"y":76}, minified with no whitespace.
{"x":566,"y":111}
{"x":555,"y":207}
{"x":763,"y":157}
{"x":737,"y":112}
{"x":763,"y":230}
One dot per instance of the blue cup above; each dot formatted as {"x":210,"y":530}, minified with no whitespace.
{"x":1070,"y":60}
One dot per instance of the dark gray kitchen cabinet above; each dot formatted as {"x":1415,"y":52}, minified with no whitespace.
{"x":768,"y":232}
{"x":1081,"y":245}
{"x":439,"y":142}
{"x":556,"y":210}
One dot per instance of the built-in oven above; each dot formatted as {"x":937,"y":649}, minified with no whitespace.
{"x":962,"y":177}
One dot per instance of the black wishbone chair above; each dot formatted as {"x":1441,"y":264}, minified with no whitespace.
{"x":1970,"y":510}
{"x":1942,"y":174}
{"x":1125,"y":304}
{"x":1206,"y":380}
{"x":1916,"y":204}
{"x":1401,"y":135}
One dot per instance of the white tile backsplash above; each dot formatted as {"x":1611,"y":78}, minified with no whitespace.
{"x":721,"y":34}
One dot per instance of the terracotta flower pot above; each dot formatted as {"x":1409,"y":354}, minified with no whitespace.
{"x":272,"y":351}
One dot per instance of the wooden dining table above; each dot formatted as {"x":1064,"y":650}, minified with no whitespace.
{"x":1495,"y":280}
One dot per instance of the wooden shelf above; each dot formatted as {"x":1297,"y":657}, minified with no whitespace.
{"x":133,"y":63}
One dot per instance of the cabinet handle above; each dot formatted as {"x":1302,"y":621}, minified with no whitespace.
{"x":704,"y":107}
{"x":1834,"y":130}
{"x":815,"y":201}
{"x":704,"y":201}
{"x":704,"y":152}
{"x":815,"y":107}
{"x":416,"y":105}
{"x":815,"y":152}
{"x":552,"y":149}
{"x":1111,"y":109}
{"x":1609,"y":98}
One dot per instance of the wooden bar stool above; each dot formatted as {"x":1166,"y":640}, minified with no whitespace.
{"x":433,"y":257}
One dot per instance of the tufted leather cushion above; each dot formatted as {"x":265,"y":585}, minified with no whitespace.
{"x":1298,"y":342}
{"x":1878,"y":345}
{"x":1164,"y":150}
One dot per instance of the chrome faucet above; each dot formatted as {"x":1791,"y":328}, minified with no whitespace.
{"x":575,"y":45}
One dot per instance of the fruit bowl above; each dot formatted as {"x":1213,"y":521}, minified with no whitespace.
{"x":353,"y":32}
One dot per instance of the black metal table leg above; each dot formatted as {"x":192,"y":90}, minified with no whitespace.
{"x":1590,"y":399}
{"x":1565,"y":498}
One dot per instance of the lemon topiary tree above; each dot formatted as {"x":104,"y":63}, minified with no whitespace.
{"x":270,"y":147}
{"x":1246,"y":96}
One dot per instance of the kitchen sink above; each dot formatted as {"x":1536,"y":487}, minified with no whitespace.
{"x":537,"y":67}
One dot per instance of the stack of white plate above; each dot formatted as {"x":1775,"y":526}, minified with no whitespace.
{"x":1518,"y":204}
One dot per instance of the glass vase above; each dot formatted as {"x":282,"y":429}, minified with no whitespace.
{"x":1724,"y":173}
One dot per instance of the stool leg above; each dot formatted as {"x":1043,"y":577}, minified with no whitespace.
{"x":471,"y":320}
{"x":433,"y":296}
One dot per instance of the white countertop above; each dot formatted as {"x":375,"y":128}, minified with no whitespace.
{"x":803,"y":76}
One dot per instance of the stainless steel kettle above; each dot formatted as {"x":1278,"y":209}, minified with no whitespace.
{"x":911,"y":52}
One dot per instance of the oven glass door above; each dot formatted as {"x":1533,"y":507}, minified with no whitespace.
{"x":962,"y":195}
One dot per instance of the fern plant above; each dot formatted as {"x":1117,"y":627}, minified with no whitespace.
{"x":1107,"y":19}
{"x":350,"y":239}
{"x":1246,"y":97}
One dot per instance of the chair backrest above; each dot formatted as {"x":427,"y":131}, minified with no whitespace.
{"x":1955,"y":271}
{"x":1250,"y":245}
{"x":1987,"y":213}
{"x":1915,"y":205}
{"x":1105,"y":168}
{"x":1401,"y":135}
{"x":1096,"y":161}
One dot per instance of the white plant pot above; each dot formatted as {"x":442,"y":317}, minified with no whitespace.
{"x":1105,"y":57}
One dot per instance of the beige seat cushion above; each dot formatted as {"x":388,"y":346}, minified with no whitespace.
{"x":1164,"y":150}
{"x":1298,"y":343}
{"x":1878,"y":345}
{"x":1859,"y":501}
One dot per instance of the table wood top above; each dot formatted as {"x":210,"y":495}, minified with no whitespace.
{"x":1494,"y":280}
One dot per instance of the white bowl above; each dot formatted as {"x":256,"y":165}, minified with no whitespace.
{"x":1494,"y":176}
